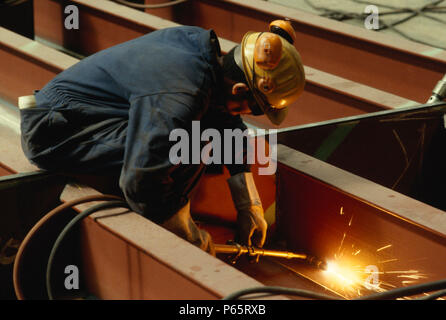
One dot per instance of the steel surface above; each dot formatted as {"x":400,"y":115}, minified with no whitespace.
{"x":339,"y":216}
{"x":27,"y":65}
{"x":24,"y":198}
{"x":126,"y":256}
{"x":404,"y":153}
{"x":5,"y":170}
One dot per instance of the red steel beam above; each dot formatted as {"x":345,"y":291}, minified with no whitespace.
{"x":337,"y":215}
{"x":26,"y":65}
{"x":385,"y":62}
{"x":104,"y":23}
{"x":129,"y":257}
{"x":12,"y":158}
{"x":5,"y":170}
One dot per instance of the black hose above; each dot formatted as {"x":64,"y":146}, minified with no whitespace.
{"x":388,"y":295}
{"x":150,"y":6}
{"x":68,"y":227}
{"x":407,"y":291}
{"x":278,"y":290}
{"x":434,"y":295}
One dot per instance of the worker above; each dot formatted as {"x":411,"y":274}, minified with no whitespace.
{"x":115,"y":110}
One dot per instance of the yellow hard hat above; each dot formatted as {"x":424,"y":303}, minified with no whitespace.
{"x":273,"y":68}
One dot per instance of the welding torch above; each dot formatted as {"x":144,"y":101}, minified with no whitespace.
{"x":238,"y":250}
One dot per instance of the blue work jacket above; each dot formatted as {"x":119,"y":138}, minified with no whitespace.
{"x":117,"y":108}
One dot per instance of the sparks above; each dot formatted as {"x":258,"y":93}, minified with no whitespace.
{"x":350,"y":222}
{"x":387,"y":261}
{"x":342,"y":242}
{"x":346,"y":275}
{"x":383,"y":248}
{"x":343,"y":277}
{"x":404,"y":271}
{"x":412,"y":276}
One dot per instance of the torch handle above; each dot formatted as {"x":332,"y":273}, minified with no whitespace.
{"x":237,"y":250}
{"x":253,"y":251}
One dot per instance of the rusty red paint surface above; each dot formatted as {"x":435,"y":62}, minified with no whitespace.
{"x":5,"y":170}
{"x":322,"y":219}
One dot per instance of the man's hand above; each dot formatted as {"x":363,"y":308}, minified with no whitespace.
{"x":250,"y":221}
{"x":252,"y":226}
{"x":183,"y":226}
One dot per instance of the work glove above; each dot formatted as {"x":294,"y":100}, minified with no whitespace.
{"x":250,"y":221}
{"x":182,"y":225}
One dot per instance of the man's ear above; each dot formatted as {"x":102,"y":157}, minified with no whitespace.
{"x":239,"y":88}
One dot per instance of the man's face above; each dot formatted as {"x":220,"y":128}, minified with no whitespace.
{"x":239,"y":99}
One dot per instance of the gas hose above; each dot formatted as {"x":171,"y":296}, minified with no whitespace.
{"x":150,"y":6}
{"x":387,"y":295}
{"x":68,"y":227}
{"x":35,"y":229}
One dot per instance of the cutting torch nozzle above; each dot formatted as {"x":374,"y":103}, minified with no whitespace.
{"x":237,"y":250}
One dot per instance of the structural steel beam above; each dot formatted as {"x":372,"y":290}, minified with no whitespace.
{"x":104,"y":24}
{"x":5,"y":170}
{"x":404,"y":152}
{"x":26,"y":65}
{"x":334,"y":214}
{"x":129,"y":257}
{"x":12,"y":158}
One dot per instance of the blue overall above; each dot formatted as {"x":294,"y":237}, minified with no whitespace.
{"x":116,"y":109}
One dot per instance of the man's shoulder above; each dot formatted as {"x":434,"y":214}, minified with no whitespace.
{"x":182,"y":29}
{"x":187,"y":36}
{"x":173,"y":34}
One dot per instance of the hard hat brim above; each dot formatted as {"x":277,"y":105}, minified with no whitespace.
{"x":276,"y":116}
